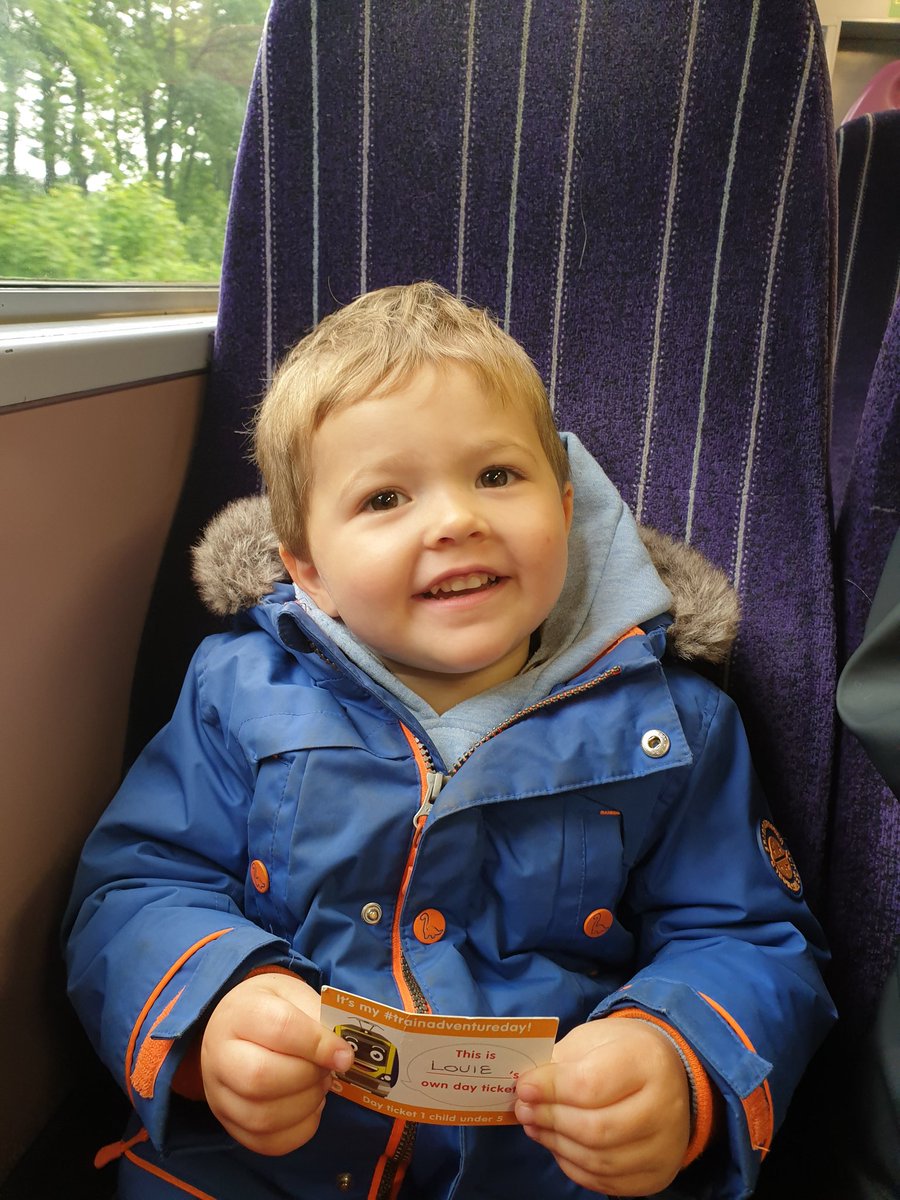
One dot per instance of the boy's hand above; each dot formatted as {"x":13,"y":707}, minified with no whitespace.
{"x":613,"y":1107}
{"x":266,"y":1063}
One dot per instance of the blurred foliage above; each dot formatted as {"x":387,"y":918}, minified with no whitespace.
{"x":119,"y":127}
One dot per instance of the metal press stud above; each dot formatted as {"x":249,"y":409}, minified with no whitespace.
{"x":655,"y":743}
{"x":371,"y":913}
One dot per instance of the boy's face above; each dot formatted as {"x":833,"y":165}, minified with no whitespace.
{"x":436,"y":532}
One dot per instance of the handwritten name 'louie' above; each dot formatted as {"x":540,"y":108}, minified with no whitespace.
{"x":464,"y":1068}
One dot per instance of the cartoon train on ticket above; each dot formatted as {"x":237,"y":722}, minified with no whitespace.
{"x":376,"y":1064}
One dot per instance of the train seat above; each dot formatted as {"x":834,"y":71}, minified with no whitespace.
{"x":658,"y":238}
{"x":644,"y":195}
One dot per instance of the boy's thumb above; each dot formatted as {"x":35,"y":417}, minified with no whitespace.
{"x":329,"y":1051}
{"x":332,"y":1052}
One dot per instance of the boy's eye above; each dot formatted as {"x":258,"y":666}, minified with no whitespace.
{"x":494,"y":477}
{"x":382,"y":501}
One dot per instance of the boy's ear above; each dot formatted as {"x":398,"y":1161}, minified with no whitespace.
{"x":303,"y":572}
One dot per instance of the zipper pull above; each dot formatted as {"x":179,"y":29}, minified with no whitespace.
{"x":434,"y":781}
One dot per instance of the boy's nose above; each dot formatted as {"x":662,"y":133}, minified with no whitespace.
{"x":454,"y":519}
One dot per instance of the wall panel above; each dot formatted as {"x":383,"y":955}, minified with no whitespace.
{"x":87,"y":491}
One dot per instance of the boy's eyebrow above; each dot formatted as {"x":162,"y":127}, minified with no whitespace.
{"x":369,"y":473}
{"x":380,"y":466}
{"x":504,"y":445}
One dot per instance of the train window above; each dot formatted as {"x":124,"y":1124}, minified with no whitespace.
{"x":119,"y":127}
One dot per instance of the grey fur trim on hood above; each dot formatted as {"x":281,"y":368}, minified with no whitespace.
{"x":236,"y":564}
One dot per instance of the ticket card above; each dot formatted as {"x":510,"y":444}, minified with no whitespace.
{"x":439,"y":1070}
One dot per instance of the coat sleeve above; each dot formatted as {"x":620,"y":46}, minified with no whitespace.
{"x":155,"y":931}
{"x":730,"y":955}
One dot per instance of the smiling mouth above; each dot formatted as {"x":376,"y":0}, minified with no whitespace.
{"x":460,"y":585}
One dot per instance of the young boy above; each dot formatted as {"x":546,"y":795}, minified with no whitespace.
{"x":454,"y":770}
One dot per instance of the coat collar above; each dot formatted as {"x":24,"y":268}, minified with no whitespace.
{"x":594,"y":721}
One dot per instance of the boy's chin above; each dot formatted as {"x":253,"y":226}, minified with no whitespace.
{"x":478,"y":671}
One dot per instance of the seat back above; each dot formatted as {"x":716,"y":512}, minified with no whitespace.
{"x":696,"y":339}
{"x":863,"y":913}
{"x":868,"y":155}
{"x":863,"y":910}
{"x":642,"y":194}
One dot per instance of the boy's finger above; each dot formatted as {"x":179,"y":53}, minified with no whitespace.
{"x":582,"y":1084}
{"x":275,"y":1138}
{"x":616,"y":1125}
{"x":596,"y":1155}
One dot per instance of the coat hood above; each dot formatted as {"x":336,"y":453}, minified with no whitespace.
{"x":236,"y":564}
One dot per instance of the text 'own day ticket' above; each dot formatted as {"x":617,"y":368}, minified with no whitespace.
{"x":436,"y":1069}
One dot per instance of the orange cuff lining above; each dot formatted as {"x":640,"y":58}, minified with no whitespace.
{"x":759,"y":1110}
{"x":152,"y":1055}
{"x":188,"y":1078}
{"x":703,"y":1124}
{"x":269,"y":969}
{"x":148,"y":1005}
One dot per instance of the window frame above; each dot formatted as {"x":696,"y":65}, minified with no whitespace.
{"x":63,"y":340}
{"x":29,"y":300}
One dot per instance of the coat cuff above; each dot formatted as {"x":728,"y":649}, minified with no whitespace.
{"x":166,"y":1026}
{"x":703,"y":1097}
{"x":727,"y":1055}
{"x":188,"y":1078}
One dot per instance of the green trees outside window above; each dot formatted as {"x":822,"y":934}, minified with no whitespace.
{"x":119,"y":127}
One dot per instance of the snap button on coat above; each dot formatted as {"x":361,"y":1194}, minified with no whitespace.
{"x":429,"y":926}
{"x":655,"y":743}
{"x":598,"y":922}
{"x":371,"y":913}
{"x":259,"y":875}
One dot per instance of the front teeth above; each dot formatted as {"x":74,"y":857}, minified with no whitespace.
{"x":462,"y":583}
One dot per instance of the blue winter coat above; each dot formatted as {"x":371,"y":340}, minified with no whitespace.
{"x":278,"y":804}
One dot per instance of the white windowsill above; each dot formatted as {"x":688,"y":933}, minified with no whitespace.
{"x":44,"y":360}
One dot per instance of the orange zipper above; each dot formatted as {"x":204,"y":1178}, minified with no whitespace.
{"x":393,"y":1163}
{"x":410,"y":994}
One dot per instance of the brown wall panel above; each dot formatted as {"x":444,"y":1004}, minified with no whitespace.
{"x":87,"y":492}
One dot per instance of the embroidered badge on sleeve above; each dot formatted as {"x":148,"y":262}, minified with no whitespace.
{"x":781,"y":859}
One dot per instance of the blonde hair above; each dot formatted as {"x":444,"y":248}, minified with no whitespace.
{"x":378,"y":342}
